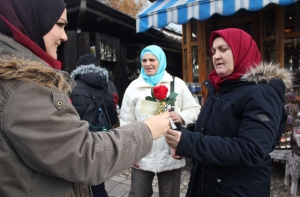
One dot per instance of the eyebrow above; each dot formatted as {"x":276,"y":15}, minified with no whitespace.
{"x":222,"y":45}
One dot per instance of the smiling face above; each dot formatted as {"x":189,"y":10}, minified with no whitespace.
{"x":150,"y":64}
{"x":222,"y":57}
{"x":56,"y":35}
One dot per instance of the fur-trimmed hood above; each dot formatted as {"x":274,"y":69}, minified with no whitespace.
{"x":267,"y":71}
{"x":86,"y":69}
{"x":91,"y":75}
{"x":18,"y":63}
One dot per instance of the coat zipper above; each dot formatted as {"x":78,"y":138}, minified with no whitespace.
{"x":203,"y":166}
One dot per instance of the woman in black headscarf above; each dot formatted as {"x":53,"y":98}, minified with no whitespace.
{"x":45,"y":150}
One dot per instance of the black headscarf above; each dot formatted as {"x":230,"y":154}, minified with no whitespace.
{"x":34,"y":18}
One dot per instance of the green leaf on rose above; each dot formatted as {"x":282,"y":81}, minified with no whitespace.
{"x":149,"y":98}
{"x":172,"y":95}
{"x":171,"y":101}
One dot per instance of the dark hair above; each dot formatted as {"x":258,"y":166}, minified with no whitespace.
{"x":88,"y":59}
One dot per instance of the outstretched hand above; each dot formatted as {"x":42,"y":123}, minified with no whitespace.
{"x":158,"y":124}
{"x":173,"y":138}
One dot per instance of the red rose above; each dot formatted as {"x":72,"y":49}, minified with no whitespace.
{"x":160,"y":92}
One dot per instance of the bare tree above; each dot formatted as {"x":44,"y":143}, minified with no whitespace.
{"x":130,"y":7}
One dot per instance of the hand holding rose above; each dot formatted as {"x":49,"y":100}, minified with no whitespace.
{"x":173,"y":138}
{"x":158,"y":124}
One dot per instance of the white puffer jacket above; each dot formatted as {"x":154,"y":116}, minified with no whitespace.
{"x":159,"y":158}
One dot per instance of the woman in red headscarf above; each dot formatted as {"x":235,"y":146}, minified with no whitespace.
{"x":45,"y":150}
{"x":240,"y":124}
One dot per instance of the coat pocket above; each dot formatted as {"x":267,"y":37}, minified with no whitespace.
{"x":221,"y":184}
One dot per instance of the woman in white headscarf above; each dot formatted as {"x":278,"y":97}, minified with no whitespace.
{"x":159,"y":161}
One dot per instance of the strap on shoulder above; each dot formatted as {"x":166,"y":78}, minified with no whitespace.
{"x":172,"y":87}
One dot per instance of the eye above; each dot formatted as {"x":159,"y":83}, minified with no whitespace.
{"x":61,"y":24}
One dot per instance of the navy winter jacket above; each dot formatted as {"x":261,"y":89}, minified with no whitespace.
{"x":235,"y":132}
{"x":97,"y":79}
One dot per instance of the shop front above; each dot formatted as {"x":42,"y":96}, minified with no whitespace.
{"x":274,"y":25}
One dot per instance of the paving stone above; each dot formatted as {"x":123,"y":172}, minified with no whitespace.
{"x":118,"y":179}
{"x":127,"y":182}
{"x":119,"y":191}
{"x":119,"y":186}
{"x":110,"y":184}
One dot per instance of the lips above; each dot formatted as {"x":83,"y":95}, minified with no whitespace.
{"x":148,"y":69}
{"x":219,"y":64}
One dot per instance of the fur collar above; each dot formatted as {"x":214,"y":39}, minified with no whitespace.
{"x":266,"y":72}
{"x":18,"y":63}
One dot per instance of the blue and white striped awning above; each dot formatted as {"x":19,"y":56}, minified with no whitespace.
{"x":163,"y":12}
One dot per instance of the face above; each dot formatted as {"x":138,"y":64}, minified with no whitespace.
{"x":150,"y":64}
{"x":56,"y":35}
{"x":222,"y":57}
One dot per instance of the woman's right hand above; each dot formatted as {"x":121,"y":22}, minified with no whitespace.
{"x":158,"y":124}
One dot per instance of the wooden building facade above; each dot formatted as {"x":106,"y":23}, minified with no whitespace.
{"x":274,"y":25}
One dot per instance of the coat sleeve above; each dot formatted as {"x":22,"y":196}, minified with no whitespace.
{"x":49,"y":137}
{"x":189,"y":109}
{"x":127,"y":113}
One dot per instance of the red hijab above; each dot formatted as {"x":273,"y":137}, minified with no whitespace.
{"x":27,"y":21}
{"x":245,"y":54}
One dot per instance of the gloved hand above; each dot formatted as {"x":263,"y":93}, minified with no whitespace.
{"x":158,"y":124}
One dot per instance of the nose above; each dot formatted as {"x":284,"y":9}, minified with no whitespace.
{"x":147,"y":62}
{"x":64,"y":36}
{"x":216,"y":55}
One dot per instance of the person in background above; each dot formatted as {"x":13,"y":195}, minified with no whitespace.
{"x":46,"y":150}
{"x":89,"y":59}
{"x":96,"y":79}
{"x":159,"y":161}
{"x":240,"y":124}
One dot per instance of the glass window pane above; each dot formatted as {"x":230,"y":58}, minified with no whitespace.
{"x":269,"y":22}
{"x":194,"y":30}
{"x":270,"y":51}
{"x":195,"y":66}
{"x":292,"y":54}
{"x":292,"y":18}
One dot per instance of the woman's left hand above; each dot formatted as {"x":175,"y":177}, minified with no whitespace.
{"x":173,"y":138}
{"x":176,"y":117}
{"x":173,"y":153}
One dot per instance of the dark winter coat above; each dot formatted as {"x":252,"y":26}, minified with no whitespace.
{"x":97,"y":79}
{"x":235,"y":132}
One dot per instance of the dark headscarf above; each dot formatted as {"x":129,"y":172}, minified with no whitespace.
{"x":245,"y":54}
{"x":27,"y":21}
